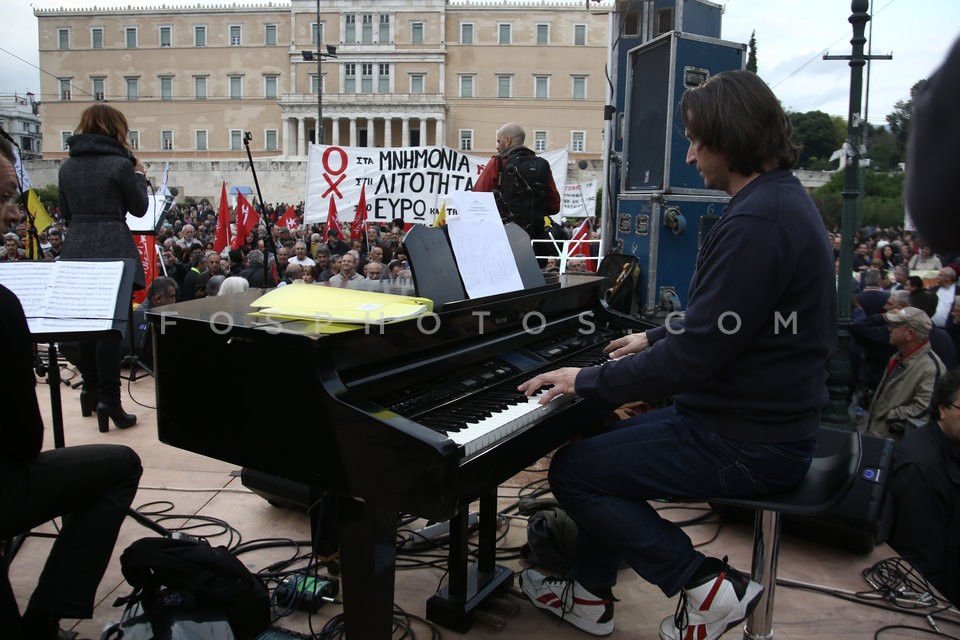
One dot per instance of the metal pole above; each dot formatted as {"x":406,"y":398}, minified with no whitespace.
{"x":319,"y":136}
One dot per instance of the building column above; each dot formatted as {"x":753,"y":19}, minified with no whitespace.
{"x":405,"y":134}
{"x":301,"y":137}
{"x":353,"y":132}
{"x":335,"y":125}
{"x":371,"y":132}
{"x":439,"y":133}
{"x":388,"y":132}
{"x":287,"y":135}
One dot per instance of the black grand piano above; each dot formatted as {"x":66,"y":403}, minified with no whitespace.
{"x":419,"y":417}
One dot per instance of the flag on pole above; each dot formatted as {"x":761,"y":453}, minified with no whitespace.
{"x":578,"y":244}
{"x":247,"y":220}
{"x":358,"y":230}
{"x":39,"y":220}
{"x":289,"y":219}
{"x":222,"y":237}
{"x":441,"y":218}
{"x":333,"y":222}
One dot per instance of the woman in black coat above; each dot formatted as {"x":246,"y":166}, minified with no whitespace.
{"x":99,"y":183}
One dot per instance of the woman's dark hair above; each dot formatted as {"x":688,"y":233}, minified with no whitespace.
{"x":945,"y":392}
{"x":735,"y":113}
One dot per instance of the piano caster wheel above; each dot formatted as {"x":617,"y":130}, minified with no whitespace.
{"x":489,"y":619}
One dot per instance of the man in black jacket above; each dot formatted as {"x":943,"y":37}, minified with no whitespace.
{"x":91,"y":486}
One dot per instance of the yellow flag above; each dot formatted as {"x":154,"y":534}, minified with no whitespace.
{"x":441,"y":218}
{"x":39,"y":220}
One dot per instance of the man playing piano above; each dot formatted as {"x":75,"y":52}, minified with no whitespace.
{"x":746,"y":368}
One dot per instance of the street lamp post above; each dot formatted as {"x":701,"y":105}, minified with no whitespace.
{"x":331,"y":52}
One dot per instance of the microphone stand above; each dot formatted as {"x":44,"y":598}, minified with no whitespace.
{"x":268,"y":240}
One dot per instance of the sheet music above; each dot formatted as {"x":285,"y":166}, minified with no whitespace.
{"x":480,"y":246}
{"x":65,"y":296}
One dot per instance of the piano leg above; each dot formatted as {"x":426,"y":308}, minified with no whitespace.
{"x":469,"y":585}
{"x":368,"y":558}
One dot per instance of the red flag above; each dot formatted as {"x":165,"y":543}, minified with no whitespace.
{"x":247,"y":220}
{"x":222,"y":237}
{"x":358,"y":230}
{"x":578,"y":245}
{"x":332,"y":221}
{"x":289,"y":219}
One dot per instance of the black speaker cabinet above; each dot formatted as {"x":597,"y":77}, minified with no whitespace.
{"x":660,"y":71}
{"x":857,"y":523}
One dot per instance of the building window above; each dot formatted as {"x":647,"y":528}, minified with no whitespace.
{"x":350,"y":28}
{"x":235,"y":33}
{"x":578,"y":141}
{"x":541,"y":86}
{"x":543,"y":34}
{"x":201,"y":140}
{"x":504,"y":86}
{"x":64,"y":136}
{"x":200,"y":87}
{"x":384,"y":35}
{"x":313,"y":83}
{"x":416,"y":83}
{"x":466,"y":140}
{"x":270,"y":35}
{"x":130,"y":37}
{"x":166,"y":140}
{"x":236,"y":139}
{"x":316,"y":33}
{"x":166,"y":88}
{"x":96,"y":38}
{"x":236,"y":87}
{"x":166,"y":36}
{"x":133,"y":88}
{"x":366,"y":77}
{"x":579,"y":87}
{"x":63,"y":39}
{"x":270,"y":139}
{"x":580,"y":34}
{"x":366,"y":28}
{"x":270,"y":84}
{"x":350,"y":78}
{"x":199,"y":36}
{"x":466,"y":33}
{"x":504,"y":33}
{"x":383,"y":78}
{"x":99,"y":90}
{"x":134,"y":138}
{"x":466,"y":86}
{"x":416,"y":33}
{"x":65,"y":89}
{"x":539,"y":141}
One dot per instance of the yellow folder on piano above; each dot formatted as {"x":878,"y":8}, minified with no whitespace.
{"x":301,"y":301}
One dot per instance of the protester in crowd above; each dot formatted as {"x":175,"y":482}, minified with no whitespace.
{"x":348,"y":270}
{"x":233,"y":284}
{"x":11,"y":248}
{"x":214,"y":268}
{"x":254,"y":272}
{"x":903,"y":395}
{"x":925,"y":260}
{"x":946,"y":292}
{"x":746,"y":399}
{"x":925,"y":492}
{"x":55,"y":238}
{"x":99,"y":183}
{"x":300,"y":256}
{"x":162,"y":291}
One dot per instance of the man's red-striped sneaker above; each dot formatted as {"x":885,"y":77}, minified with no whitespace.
{"x":706,"y":611}
{"x":567,"y":599}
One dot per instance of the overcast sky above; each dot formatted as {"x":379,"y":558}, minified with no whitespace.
{"x":792,"y":36}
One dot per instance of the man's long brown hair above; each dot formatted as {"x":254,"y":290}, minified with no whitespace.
{"x":735,"y":113}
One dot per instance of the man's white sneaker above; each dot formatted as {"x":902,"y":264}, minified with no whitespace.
{"x":570,"y":601}
{"x":707,"y":610}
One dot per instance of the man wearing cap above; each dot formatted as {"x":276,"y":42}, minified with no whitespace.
{"x":903,"y":395}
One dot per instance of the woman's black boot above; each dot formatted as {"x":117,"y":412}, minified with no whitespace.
{"x":121,"y":418}
{"x":89,"y":398}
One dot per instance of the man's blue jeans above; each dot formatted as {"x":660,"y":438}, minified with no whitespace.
{"x":604,"y":483}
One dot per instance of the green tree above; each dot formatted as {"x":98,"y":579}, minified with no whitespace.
{"x":49,"y":197}
{"x":752,"y":52}
{"x":817,"y":135}
{"x":882,"y":202}
{"x":899,"y":119}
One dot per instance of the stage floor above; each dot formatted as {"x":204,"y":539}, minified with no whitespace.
{"x":183,"y":483}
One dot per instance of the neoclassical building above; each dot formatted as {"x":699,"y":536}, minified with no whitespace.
{"x":193,"y":81}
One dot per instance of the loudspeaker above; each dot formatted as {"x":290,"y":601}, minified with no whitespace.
{"x":857,"y":524}
{"x":659,"y":72}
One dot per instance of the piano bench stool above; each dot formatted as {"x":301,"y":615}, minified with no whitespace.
{"x":830,"y":476}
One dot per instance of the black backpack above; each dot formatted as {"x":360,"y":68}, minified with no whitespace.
{"x":523,"y":183}
{"x":201,"y":577}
